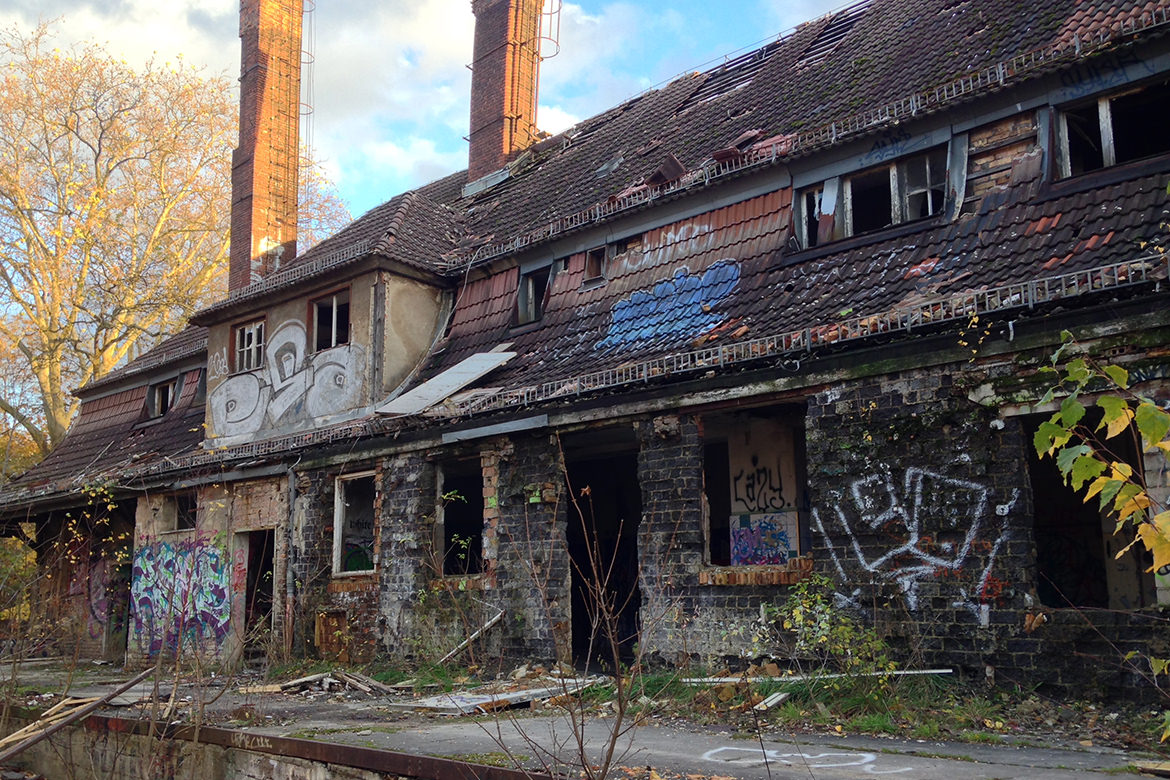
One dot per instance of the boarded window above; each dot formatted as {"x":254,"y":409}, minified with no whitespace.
{"x":353,"y":524}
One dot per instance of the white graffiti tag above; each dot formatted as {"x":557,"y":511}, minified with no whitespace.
{"x":936,"y":525}
{"x":866,"y":762}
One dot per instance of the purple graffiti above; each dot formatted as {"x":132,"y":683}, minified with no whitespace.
{"x":179,"y":596}
{"x":762,"y":540}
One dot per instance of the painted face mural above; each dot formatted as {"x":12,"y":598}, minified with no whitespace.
{"x":293,"y":387}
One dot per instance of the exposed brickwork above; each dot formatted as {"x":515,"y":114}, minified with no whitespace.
{"x":503,"y":81}
{"x":532,"y":569}
{"x":264,"y":166}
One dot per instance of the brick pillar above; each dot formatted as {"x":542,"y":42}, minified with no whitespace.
{"x":505,"y":66}
{"x":264,"y":166}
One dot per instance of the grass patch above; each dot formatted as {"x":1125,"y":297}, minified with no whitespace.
{"x":493,"y":758}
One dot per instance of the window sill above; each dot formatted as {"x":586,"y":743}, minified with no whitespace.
{"x":847,"y":243}
{"x":1103,"y":177}
{"x":797,"y":570}
{"x":348,"y":581}
{"x":459,"y":582}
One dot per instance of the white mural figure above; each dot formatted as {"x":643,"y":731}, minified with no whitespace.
{"x":925,"y":505}
{"x":293,"y":387}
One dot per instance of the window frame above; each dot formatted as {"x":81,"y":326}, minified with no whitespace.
{"x":255,"y":352}
{"x":1102,"y":106}
{"x":474,"y":562}
{"x":335,"y":300}
{"x":530,"y":306}
{"x":844,"y":208}
{"x":340,"y":522}
{"x":180,"y":511}
{"x":156,"y":406}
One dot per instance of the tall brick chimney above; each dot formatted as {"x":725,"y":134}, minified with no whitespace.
{"x":264,"y":166}
{"x":504,"y":74}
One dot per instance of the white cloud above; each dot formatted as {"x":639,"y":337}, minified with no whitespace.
{"x":554,"y":119}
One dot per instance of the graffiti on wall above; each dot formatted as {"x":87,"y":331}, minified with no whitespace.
{"x":179,"y":596}
{"x":1102,"y":73}
{"x":759,"y":488}
{"x":928,"y":526}
{"x":294,"y":386}
{"x":680,"y":306}
{"x":763,"y":539}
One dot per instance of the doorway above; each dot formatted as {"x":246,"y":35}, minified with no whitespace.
{"x":603,"y":519}
{"x":258,"y":590}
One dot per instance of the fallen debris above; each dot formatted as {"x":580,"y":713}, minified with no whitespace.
{"x":744,"y":678}
{"x":492,"y":698}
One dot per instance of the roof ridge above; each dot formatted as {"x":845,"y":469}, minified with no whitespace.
{"x":382,"y":245}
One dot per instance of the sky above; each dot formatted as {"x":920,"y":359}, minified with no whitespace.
{"x":389,"y":82}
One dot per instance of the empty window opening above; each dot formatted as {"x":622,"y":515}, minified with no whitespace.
{"x":754,"y":481}
{"x":162,"y":397}
{"x":1076,"y":549}
{"x":331,"y":320}
{"x":533,"y":295}
{"x":460,"y":532}
{"x":353,"y":524}
{"x":1114,"y":130}
{"x":869,"y":204}
{"x":249,"y":346}
{"x":603,"y":520}
{"x":595,"y":264}
{"x":177,"y":512}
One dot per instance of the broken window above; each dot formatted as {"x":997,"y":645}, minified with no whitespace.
{"x":331,"y":320}
{"x":595,"y":264}
{"x":533,"y":295}
{"x":1115,"y":129}
{"x":902,"y":191}
{"x":353,"y":524}
{"x":1077,"y":563}
{"x":249,"y":346}
{"x":754,"y":484}
{"x":178,"y":512}
{"x":459,"y":532}
{"x":161,"y":397}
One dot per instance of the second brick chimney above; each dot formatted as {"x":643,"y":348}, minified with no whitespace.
{"x":504,"y":74}
{"x":265,"y":165}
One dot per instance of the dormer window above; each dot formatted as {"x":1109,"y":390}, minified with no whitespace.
{"x":161,"y":398}
{"x":1114,"y":130}
{"x":902,"y":191}
{"x":331,"y":320}
{"x":249,"y":350}
{"x":533,"y":294}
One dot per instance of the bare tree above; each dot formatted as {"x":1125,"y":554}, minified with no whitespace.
{"x":114,"y":207}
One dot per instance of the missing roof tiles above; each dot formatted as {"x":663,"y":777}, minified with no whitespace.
{"x":835,"y":31}
{"x":730,"y":76}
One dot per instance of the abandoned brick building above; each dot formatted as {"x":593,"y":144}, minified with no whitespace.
{"x":784,"y":314}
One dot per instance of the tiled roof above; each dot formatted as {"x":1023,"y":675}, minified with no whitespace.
{"x":417,"y":228}
{"x":721,"y":287}
{"x":187,"y":343}
{"x":112,"y":437}
{"x":724,"y":279}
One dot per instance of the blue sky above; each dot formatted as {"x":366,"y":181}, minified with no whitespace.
{"x":389,"y":84}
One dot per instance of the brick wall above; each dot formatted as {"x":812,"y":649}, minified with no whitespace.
{"x":264,"y":166}
{"x":503,"y":82}
{"x":531,"y":573}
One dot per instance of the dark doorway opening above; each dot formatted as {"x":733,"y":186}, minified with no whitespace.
{"x":603,"y":520}
{"x":1076,"y":549}
{"x":258,"y":594}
